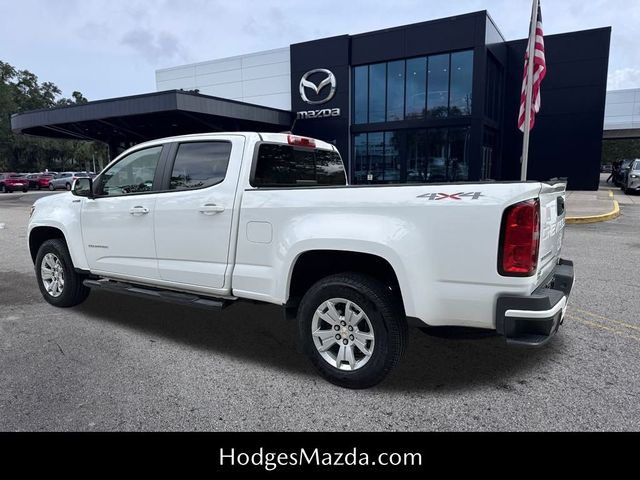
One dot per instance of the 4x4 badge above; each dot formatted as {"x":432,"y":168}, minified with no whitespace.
{"x":452,"y":196}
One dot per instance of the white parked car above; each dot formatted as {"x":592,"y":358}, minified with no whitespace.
{"x":206,"y":220}
{"x":633,"y":178}
{"x":65,"y":180}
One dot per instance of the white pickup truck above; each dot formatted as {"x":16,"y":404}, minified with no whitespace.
{"x":207,"y":220}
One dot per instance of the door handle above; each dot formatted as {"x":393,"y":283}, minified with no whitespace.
{"x":211,"y":209}
{"x":139,"y":210}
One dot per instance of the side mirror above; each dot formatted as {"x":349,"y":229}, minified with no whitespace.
{"x":83,"y":187}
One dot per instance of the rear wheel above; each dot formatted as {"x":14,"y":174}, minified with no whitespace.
{"x":353,"y":329}
{"x":68,"y":186}
{"x":59,"y":283}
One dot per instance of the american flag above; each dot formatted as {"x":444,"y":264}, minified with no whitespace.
{"x":539,"y":72}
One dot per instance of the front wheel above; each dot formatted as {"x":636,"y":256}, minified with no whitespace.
{"x":68,"y":186}
{"x":353,"y":329}
{"x":59,"y":283}
{"x":3,"y":189}
{"x":51,"y":188}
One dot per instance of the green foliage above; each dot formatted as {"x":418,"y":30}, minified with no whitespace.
{"x":614,"y":150}
{"x":20,"y":91}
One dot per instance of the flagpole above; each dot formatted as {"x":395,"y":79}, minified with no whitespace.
{"x":529,"y":92}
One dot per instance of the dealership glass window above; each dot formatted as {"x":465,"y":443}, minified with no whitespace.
{"x":461,"y":83}
{"x":459,"y":144}
{"x":392,"y":166}
{"x":438,"y":86}
{"x":361,"y":160}
{"x":133,"y":174}
{"x":360,"y":94}
{"x":416,"y":87}
{"x":437,"y":155}
{"x":200,"y":165}
{"x":395,"y":91}
{"x":416,"y":156}
{"x":412,"y":156}
{"x":377,"y":90}
{"x":375,"y":154}
{"x":285,"y":166}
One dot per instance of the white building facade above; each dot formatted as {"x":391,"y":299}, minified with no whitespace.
{"x":622,"y":113}
{"x":261,"y":78}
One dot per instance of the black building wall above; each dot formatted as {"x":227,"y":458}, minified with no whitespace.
{"x":567,"y":138}
{"x":332,"y":54}
{"x":340,"y":54}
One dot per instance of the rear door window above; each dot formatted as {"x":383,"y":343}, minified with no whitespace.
{"x":200,"y":165}
{"x":287,"y":166}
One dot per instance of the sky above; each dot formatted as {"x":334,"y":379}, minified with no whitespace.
{"x":112,"y":48}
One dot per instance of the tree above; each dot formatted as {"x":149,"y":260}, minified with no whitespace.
{"x":20,"y":91}
{"x":620,"y":149}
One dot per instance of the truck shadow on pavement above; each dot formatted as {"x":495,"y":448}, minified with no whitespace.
{"x":260,"y":334}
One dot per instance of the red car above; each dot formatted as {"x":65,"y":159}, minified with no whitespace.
{"x":43,"y":181}
{"x":10,"y":182}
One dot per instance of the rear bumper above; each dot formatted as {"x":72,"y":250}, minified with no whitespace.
{"x":532,"y":320}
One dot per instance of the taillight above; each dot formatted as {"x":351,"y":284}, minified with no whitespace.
{"x":520,"y":239}
{"x":301,"y":141}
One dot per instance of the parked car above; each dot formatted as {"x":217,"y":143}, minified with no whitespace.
{"x":43,"y":181}
{"x":39,"y":180}
{"x":207,"y":220}
{"x":11,"y":182}
{"x":620,"y":176}
{"x":633,"y":178}
{"x":33,"y":179}
{"x":65,"y":180}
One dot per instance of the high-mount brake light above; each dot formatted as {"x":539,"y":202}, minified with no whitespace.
{"x":301,"y":141}
{"x":520,"y":239}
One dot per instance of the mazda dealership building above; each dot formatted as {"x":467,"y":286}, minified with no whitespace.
{"x":428,"y":102}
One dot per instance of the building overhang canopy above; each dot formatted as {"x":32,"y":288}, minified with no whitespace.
{"x":135,"y":119}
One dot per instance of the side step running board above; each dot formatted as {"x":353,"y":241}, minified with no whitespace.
{"x":170,"y":296}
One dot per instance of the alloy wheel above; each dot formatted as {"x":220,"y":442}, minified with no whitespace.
{"x":343,"y":334}
{"x":52,"y":274}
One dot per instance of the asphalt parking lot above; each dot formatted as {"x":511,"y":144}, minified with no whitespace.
{"x":120,"y":363}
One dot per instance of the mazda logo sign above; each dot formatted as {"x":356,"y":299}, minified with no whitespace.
{"x":329,"y":80}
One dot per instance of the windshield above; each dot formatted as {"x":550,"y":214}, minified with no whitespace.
{"x":636,"y":166}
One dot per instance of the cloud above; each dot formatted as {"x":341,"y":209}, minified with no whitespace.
{"x":623,"y":78}
{"x":155,"y":47}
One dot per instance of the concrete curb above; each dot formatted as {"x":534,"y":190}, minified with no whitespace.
{"x":615,"y":213}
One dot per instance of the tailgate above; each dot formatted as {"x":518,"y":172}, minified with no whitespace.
{"x":552,"y":215}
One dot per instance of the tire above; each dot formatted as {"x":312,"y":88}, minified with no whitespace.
{"x":381,"y":329}
{"x":25,"y":190}
{"x":68,"y":186}
{"x":51,"y":187}
{"x":73,"y":292}
{"x":3,"y":188}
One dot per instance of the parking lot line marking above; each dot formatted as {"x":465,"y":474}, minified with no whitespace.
{"x":618,"y":322}
{"x":602,"y":327}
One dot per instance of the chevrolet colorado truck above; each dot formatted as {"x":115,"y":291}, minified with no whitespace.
{"x":207,"y":220}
